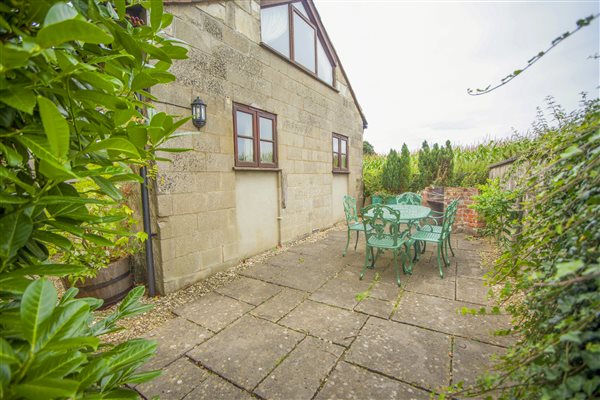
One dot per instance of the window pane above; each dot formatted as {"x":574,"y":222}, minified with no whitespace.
{"x":324,"y":68}
{"x":244,"y":123}
{"x":335,"y":145}
{"x":274,"y":28}
{"x":266,"y":152}
{"x":344,"y":161}
{"x":304,"y":43}
{"x":245,"y":150}
{"x":336,"y":160}
{"x":301,"y":8}
{"x":266,"y":128}
{"x":343,"y":151}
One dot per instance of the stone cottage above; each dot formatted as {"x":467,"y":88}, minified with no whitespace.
{"x":282,"y":142}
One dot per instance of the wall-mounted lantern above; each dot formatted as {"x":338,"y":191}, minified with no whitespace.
{"x":198,"y":113}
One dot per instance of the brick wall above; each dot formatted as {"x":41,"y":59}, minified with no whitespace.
{"x":467,"y":219}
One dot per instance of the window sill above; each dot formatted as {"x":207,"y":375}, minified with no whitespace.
{"x":340,"y":172}
{"x":297,"y":66}
{"x":256,"y":169}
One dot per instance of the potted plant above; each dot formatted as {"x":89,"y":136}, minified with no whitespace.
{"x":107,"y":275}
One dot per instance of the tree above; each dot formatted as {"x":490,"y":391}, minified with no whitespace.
{"x":391,"y":172}
{"x":404,"y":179}
{"x":74,"y":83}
{"x":368,"y":148}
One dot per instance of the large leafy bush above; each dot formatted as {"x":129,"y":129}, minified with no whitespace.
{"x":551,"y":271}
{"x":73,"y":90}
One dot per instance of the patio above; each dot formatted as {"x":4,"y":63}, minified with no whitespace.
{"x":294,"y":328}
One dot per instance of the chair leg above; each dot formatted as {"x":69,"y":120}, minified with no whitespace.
{"x":367,"y":260}
{"x":445,"y":253}
{"x":356,"y":244}
{"x":408,"y":260}
{"x":424,"y":247}
{"x":439,"y":253}
{"x":347,"y":243}
{"x":450,"y":245}
{"x":395,"y":251}
{"x":417,"y":246}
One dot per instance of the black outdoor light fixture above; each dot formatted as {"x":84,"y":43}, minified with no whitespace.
{"x":198,"y":113}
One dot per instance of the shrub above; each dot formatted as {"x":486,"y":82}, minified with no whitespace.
{"x":404,"y":179}
{"x":74,"y":79}
{"x":496,"y":207}
{"x":392,"y":169}
{"x":551,"y":272}
{"x":372,"y":171}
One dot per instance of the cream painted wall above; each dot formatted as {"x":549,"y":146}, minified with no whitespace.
{"x":256,"y":211}
{"x":339,"y":189}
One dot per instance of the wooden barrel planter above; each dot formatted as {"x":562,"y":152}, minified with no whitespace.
{"x":111,"y":284}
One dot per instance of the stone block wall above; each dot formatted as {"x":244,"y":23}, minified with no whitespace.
{"x":196,"y":196}
{"x":467,"y":219}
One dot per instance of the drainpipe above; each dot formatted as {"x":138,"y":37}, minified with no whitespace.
{"x":148,"y":230}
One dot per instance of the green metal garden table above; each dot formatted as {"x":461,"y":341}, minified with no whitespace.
{"x":410,"y":215}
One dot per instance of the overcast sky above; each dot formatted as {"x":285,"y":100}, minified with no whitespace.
{"x":410,"y":64}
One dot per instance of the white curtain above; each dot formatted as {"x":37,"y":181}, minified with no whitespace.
{"x":274,"y":28}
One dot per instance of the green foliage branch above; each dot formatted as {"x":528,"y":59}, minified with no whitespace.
{"x":551,"y":272}
{"x":73,"y":81}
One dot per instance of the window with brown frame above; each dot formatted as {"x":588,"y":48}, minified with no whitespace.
{"x":340,"y":153}
{"x":289,"y":30}
{"x":255,"y":137}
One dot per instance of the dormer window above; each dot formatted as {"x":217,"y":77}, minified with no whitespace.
{"x":290,"y":30}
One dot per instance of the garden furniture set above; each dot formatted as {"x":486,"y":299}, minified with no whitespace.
{"x":398,"y":226}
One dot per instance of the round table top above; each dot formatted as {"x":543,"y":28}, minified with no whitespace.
{"x":410,"y":212}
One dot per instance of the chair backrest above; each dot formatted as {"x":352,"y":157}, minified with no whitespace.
{"x":376,"y":199}
{"x":383,"y":221}
{"x":409,"y":198}
{"x":391,"y":200}
{"x":350,"y":209}
{"x":449,"y":217}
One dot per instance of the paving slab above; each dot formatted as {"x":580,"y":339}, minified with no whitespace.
{"x":249,"y":290}
{"x":215,"y":387}
{"x":300,"y":375}
{"x":295,"y":277}
{"x":326,"y":322}
{"x":472,"y":290}
{"x":320,"y":262}
{"x":246,"y":351}
{"x":471,"y":270}
{"x":214,"y":311}
{"x":350,"y":382}
{"x":434,"y":286}
{"x":405,"y":352}
{"x":472,"y":243}
{"x":340,"y":292}
{"x":175,"y":382}
{"x":174,"y":338}
{"x":430,"y":270}
{"x":279,"y":305}
{"x":471,"y":359}
{"x":444,"y":315}
{"x":376,"y":307}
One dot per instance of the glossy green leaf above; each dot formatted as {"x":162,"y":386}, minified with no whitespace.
{"x":12,"y":157}
{"x":117,"y":144}
{"x":59,"y":12}
{"x":66,"y":322}
{"x":108,"y":187}
{"x":156,"y":14}
{"x":50,"y":387}
{"x":6,"y":198}
{"x":41,"y":148}
{"x":7,"y":354}
{"x":16,"y":229}
{"x":55,"y":126}
{"x":21,"y":99}
{"x":37,"y":305}
{"x":48,"y":270}
{"x":70,"y":30}
{"x":57,"y":367}
{"x":13,"y":56}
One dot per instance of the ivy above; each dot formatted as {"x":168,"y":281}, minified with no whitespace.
{"x":550,"y":272}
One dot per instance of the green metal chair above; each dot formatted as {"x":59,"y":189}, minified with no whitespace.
{"x":390,"y":200}
{"x":435,"y":223}
{"x":439,"y":234}
{"x":352,"y":221}
{"x":382,"y":231}
{"x":409,"y":198}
